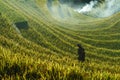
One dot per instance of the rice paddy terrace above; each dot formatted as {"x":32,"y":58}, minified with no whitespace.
{"x":47,"y":49}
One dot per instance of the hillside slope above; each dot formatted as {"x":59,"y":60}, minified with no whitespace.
{"x":45,"y":46}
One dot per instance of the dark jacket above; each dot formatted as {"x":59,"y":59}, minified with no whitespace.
{"x":81,"y":53}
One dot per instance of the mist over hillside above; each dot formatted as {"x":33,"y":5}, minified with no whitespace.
{"x":104,"y":9}
{"x":95,"y":8}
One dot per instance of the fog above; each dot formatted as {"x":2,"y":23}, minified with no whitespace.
{"x":92,"y":8}
{"x":58,"y":10}
{"x":87,"y":7}
{"x":105,"y":9}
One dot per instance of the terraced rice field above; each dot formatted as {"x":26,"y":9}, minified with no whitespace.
{"x":47,"y":49}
